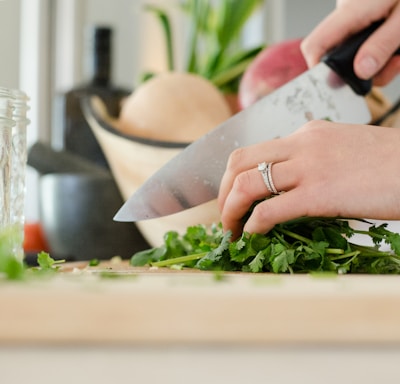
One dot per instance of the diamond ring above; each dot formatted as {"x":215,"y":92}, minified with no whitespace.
{"x":265,"y":170}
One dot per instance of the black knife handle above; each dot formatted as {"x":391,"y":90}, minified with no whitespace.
{"x":341,"y":60}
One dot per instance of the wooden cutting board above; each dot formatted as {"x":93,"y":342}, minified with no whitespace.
{"x":145,"y":305}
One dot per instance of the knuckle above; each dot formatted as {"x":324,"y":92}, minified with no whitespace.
{"x":241,"y":183}
{"x":315,"y":130}
{"x":235,"y":159}
{"x":224,"y":217}
{"x":261,"y":213}
{"x":315,"y":125}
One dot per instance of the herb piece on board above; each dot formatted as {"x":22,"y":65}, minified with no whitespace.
{"x":304,"y":245}
{"x":46,"y":262}
{"x":94,"y":262}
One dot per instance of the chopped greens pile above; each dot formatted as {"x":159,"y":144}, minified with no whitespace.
{"x":304,"y":245}
{"x":300,"y":246}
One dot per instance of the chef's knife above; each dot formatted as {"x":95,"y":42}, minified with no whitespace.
{"x":330,"y":90}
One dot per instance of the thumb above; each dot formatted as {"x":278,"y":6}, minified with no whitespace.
{"x":379,"y":48}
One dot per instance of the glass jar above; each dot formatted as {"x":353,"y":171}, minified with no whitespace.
{"x":6,"y":124}
{"x":18,"y":168}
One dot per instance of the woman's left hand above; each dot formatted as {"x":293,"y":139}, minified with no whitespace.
{"x":326,"y":169}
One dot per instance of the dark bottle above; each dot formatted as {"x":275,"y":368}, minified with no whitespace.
{"x":77,"y":135}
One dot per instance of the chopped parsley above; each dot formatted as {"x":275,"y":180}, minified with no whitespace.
{"x":304,"y":245}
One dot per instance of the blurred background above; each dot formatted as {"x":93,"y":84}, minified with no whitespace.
{"x":43,"y":48}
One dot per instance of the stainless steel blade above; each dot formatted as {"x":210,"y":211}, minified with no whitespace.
{"x":193,"y":177}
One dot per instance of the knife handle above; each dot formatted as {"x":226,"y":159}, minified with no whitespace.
{"x":341,"y":59}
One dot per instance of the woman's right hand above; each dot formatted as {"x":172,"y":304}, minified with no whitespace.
{"x":375,"y":57}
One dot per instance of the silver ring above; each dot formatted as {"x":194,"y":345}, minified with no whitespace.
{"x":265,"y":170}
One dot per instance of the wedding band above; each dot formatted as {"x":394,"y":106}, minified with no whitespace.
{"x":265,"y":170}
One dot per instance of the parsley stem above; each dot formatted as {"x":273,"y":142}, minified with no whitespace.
{"x":179,"y":260}
{"x":334,"y":251}
{"x":346,"y":255}
{"x":366,"y":251}
{"x":369,"y":233}
{"x":295,"y":235}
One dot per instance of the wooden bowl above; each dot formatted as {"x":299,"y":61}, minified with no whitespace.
{"x":134,"y":159}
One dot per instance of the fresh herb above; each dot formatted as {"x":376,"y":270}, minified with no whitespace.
{"x":304,"y":245}
{"x":47,"y":263}
{"x":94,"y":262}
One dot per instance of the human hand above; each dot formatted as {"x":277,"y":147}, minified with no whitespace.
{"x":326,"y":169}
{"x":375,"y":57}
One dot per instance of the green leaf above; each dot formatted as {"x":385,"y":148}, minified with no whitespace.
{"x":147,"y":257}
{"x":331,"y":236}
{"x":46,"y":262}
{"x":281,"y":258}
{"x":217,"y":253}
{"x":10,"y":267}
{"x":232,"y":16}
{"x":166,"y":25}
{"x":214,"y":50}
{"x":394,"y":241}
{"x":94,"y":262}
{"x":242,"y":249}
{"x":13,"y":269}
{"x":256,"y":265}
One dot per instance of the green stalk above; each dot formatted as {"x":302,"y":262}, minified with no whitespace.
{"x":230,"y":74}
{"x":166,"y":25}
{"x":366,"y":251}
{"x":334,"y":251}
{"x":368,"y":233}
{"x":345,"y":256}
{"x":178,"y":260}
{"x":295,"y":236}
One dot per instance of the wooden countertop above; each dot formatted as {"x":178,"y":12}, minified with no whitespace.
{"x":158,"y":306}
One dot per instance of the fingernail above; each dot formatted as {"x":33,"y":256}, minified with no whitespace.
{"x":367,"y":67}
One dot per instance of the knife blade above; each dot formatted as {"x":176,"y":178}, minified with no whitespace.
{"x":330,"y":90}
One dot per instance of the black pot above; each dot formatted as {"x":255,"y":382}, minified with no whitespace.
{"x":77,"y":210}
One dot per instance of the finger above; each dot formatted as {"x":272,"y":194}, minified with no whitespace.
{"x":244,"y":159}
{"x":249,"y":187}
{"x":333,"y":30}
{"x":378,"y":48}
{"x":388,"y":73}
{"x":279,"y":209}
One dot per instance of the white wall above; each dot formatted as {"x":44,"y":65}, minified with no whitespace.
{"x":138,"y":40}
{"x":9,"y":43}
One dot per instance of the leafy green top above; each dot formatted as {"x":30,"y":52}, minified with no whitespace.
{"x":214,"y":49}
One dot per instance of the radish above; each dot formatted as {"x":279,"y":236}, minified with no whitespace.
{"x":272,"y":67}
{"x":282,"y":62}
